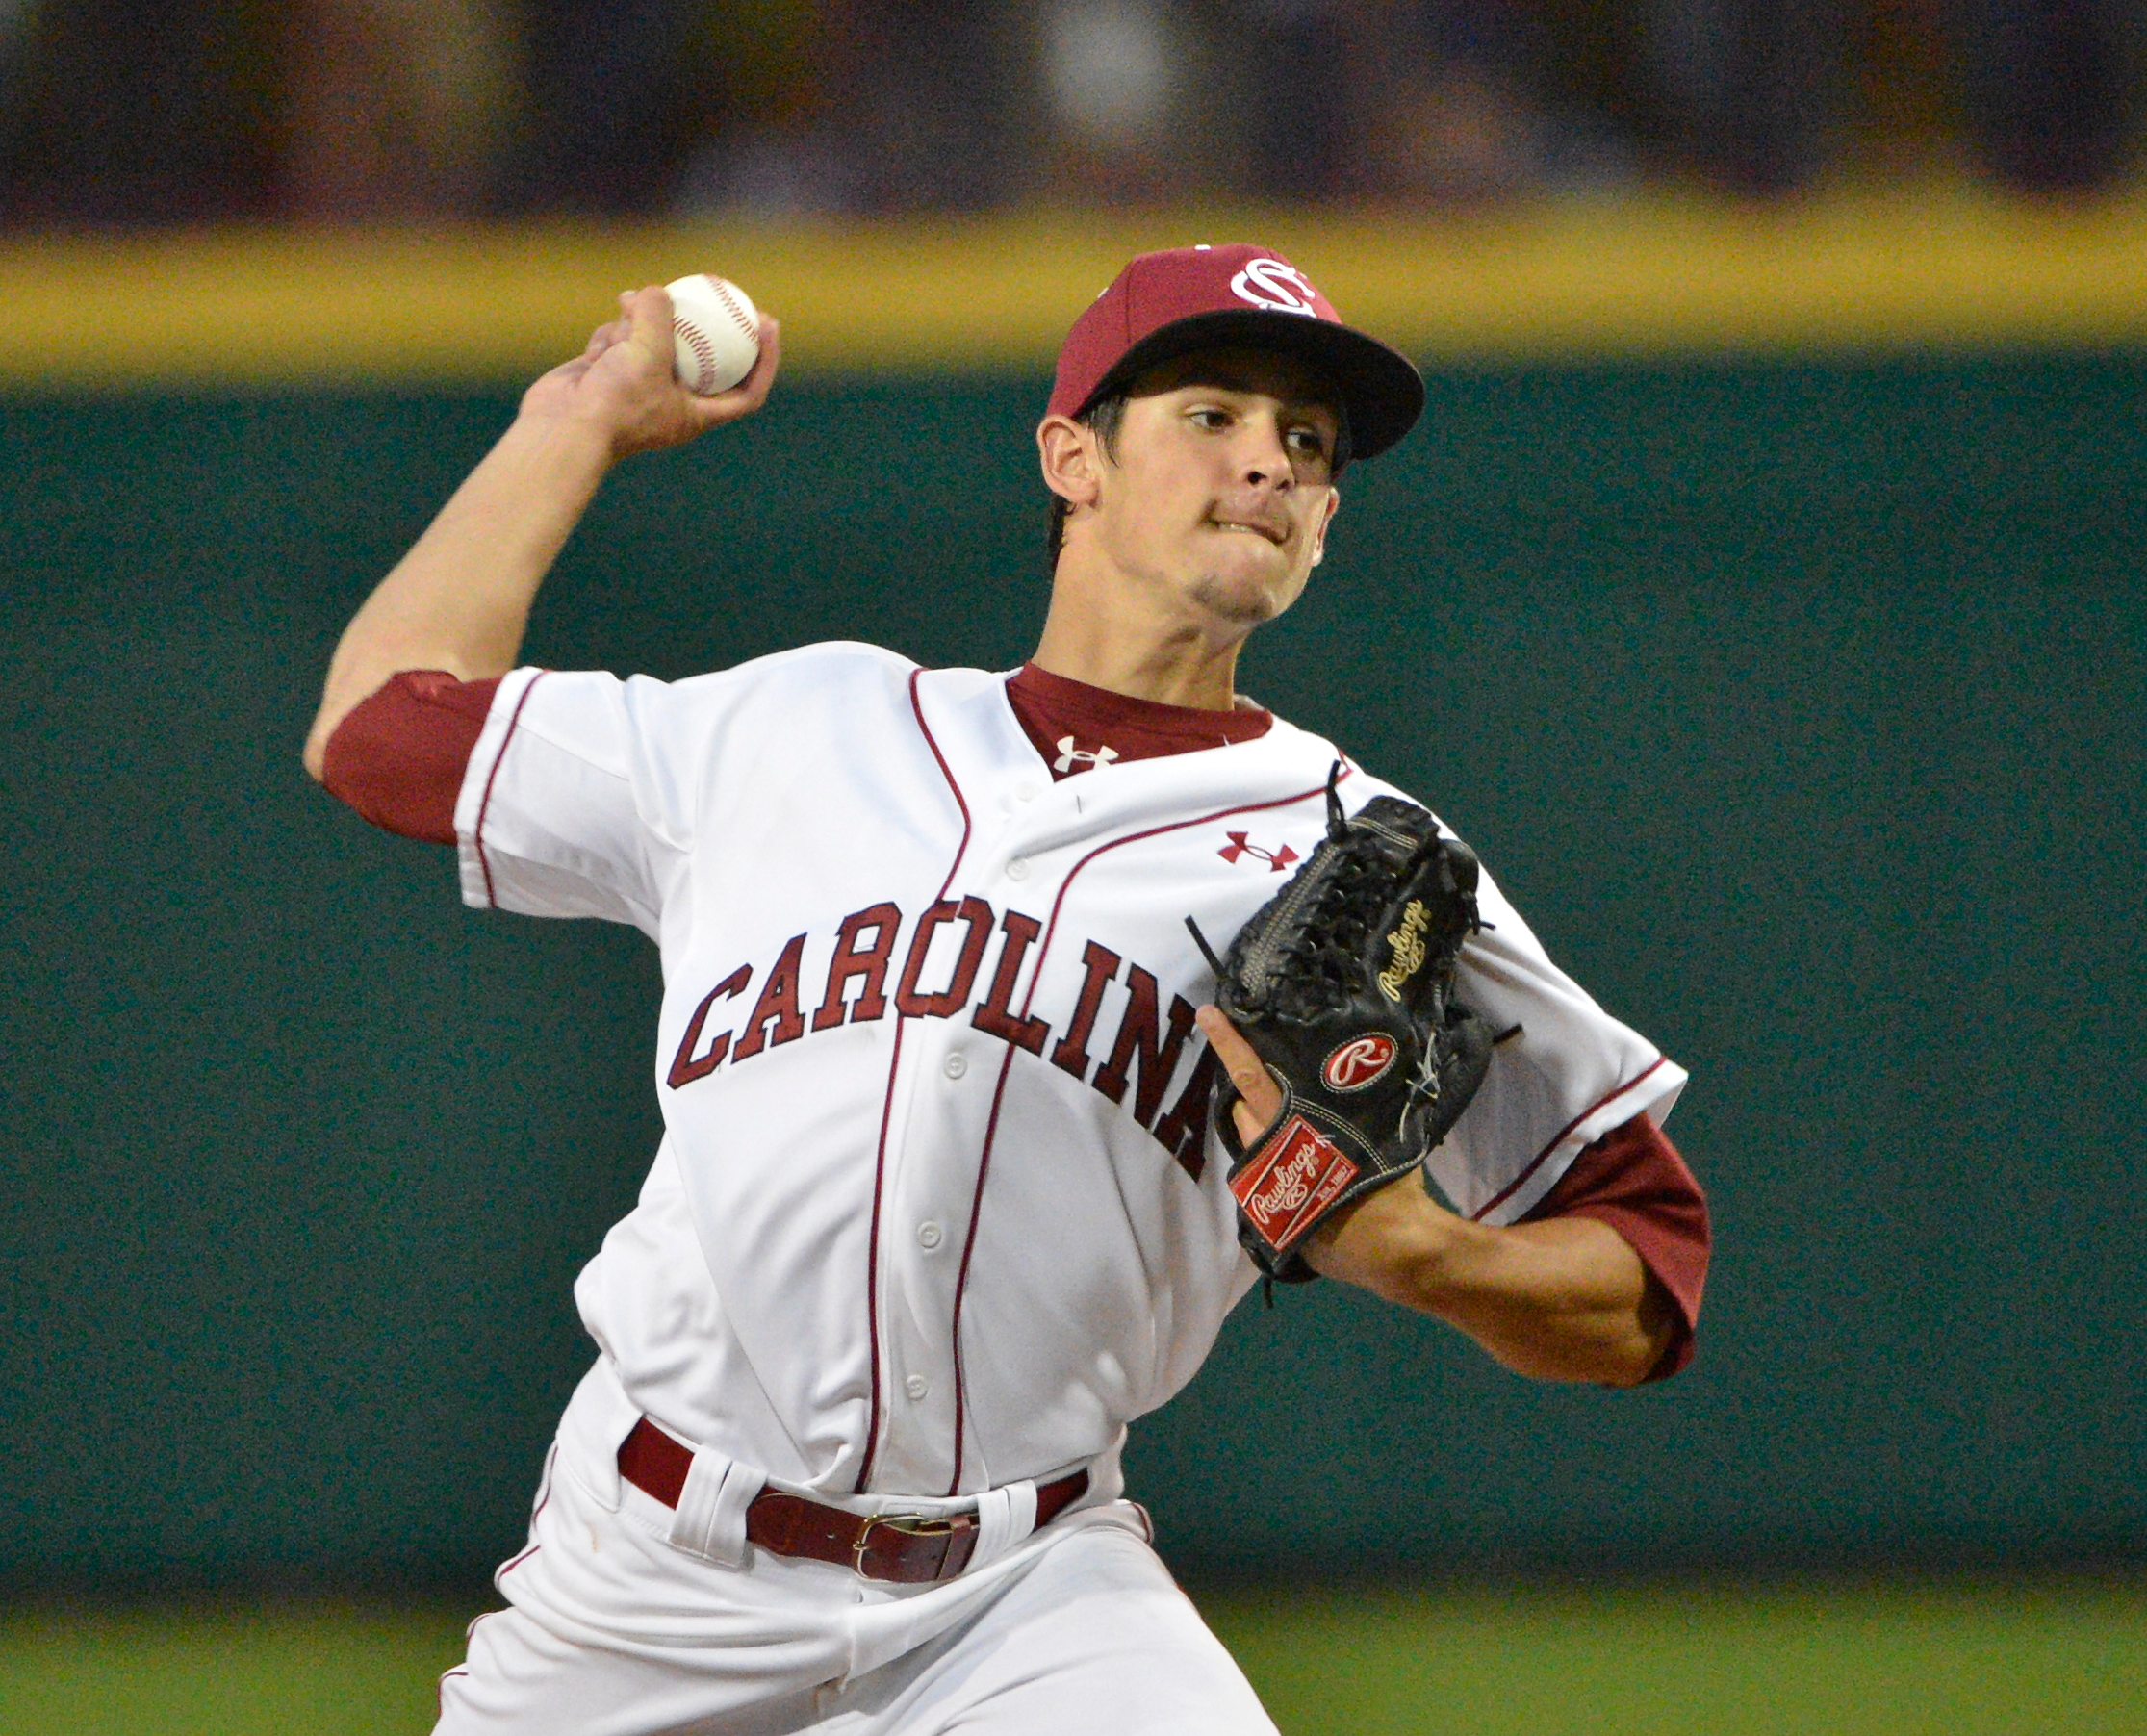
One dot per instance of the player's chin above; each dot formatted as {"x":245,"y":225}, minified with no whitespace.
{"x":1248,"y":593}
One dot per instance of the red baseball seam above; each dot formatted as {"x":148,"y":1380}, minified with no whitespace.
{"x":703,"y":353}
{"x":730,"y":300}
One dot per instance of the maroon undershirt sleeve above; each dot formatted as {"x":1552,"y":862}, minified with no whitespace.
{"x":398,"y":758}
{"x":1633,"y":1179}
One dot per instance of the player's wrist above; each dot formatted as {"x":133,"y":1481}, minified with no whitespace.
{"x":568,"y":442}
{"x":1399,"y":1244}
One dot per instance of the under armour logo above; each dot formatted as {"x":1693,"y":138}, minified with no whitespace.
{"x":1270,"y":282}
{"x":1071,"y":757}
{"x":1240,"y":845}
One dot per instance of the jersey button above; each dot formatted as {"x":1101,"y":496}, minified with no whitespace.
{"x":916,"y":1386}
{"x":1028,"y":789}
{"x":955,"y":1065}
{"x":927,"y":1235}
{"x":1018,"y":869}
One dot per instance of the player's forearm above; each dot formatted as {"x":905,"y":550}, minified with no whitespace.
{"x":1563,"y":1299}
{"x":460,"y":599}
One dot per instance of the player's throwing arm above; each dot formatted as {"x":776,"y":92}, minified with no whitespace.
{"x":459,"y":601}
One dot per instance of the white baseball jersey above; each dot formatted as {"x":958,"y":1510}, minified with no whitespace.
{"x":937,"y":1208}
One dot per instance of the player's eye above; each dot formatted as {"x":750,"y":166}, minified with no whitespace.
{"x":1209,"y":417}
{"x":1308,"y":444}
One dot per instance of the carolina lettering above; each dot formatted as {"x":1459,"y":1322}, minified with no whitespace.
{"x":1139,"y":1049}
{"x":684,"y":1068}
{"x":1072,"y":1053}
{"x":778,"y":1006}
{"x":1144,"y":1054}
{"x":913,"y":1004}
{"x":995,"y":1016}
{"x":1184,"y":1129}
{"x":851,"y":960}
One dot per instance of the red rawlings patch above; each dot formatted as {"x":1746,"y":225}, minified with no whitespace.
{"x":1292,"y":1179}
{"x":1361,"y":1061}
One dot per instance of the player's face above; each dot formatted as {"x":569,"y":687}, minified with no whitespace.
{"x":1222,"y":485}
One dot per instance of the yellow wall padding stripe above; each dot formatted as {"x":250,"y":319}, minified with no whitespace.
{"x":1658,"y":276}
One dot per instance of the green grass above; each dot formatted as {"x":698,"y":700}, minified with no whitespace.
{"x":1834,"y":1662}
{"x":1960,"y":1661}
{"x":292,"y":1671}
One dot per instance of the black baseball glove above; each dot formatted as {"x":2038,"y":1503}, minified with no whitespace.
{"x":1343,"y":983}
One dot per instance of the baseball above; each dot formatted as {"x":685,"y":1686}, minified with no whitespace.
{"x":715,"y":333}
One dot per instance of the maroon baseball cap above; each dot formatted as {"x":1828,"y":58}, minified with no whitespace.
{"x":1166,"y":304}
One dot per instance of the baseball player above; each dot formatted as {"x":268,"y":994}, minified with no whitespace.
{"x":942,"y":1204}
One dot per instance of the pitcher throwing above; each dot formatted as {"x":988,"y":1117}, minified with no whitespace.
{"x":943,"y":1201}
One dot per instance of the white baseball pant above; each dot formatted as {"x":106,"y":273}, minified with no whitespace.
{"x":616,"y":1632}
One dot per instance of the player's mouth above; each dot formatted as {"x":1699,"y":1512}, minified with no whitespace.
{"x":1277,"y":534}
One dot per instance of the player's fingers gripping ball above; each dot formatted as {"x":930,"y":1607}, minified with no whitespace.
{"x":1343,"y":983}
{"x":715,"y":333}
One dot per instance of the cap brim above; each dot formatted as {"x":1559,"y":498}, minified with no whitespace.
{"x":1381,"y":389}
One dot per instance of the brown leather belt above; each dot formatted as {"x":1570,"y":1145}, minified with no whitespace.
{"x":896,"y":1547}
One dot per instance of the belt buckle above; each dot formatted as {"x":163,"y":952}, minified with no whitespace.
{"x":906,"y":1525}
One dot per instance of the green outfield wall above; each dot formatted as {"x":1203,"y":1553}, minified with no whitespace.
{"x":1799,"y":707}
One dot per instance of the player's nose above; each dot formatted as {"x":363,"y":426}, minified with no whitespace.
{"x":1264,"y":454}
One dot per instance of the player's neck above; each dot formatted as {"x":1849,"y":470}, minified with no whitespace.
{"x":1110,"y":637}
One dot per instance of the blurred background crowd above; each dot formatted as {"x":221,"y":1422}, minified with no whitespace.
{"x":187,"y":111}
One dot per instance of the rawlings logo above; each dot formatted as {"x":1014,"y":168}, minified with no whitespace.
{"x":1361,"y":1061}
{"x":1239,"y":845}
{"x":1270,"y":282}
{"x":1070,"y":756}
{"x":1408,"y":943}
{"x":1297,"y":1177}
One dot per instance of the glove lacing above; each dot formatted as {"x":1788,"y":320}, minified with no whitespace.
{"x":1329,"y":950}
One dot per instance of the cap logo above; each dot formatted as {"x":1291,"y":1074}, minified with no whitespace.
{"x":1270,"y":282}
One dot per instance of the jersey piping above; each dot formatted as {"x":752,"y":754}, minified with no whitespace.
{"x":543,"y":1496}
{"x":484,"y":807}
{"x":880,"y":1156}
{"x":1564,"y":1133}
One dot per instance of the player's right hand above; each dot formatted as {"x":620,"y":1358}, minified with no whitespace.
{"x":623,"y":383}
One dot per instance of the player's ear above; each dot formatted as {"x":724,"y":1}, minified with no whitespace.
{"x":1070,"y":461}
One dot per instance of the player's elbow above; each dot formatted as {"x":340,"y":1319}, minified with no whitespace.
{"x":1631,"y":1362}
{"x":314,"y":754}
{"x":1610,"y":1348}
{"x":1576,"y":1358}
